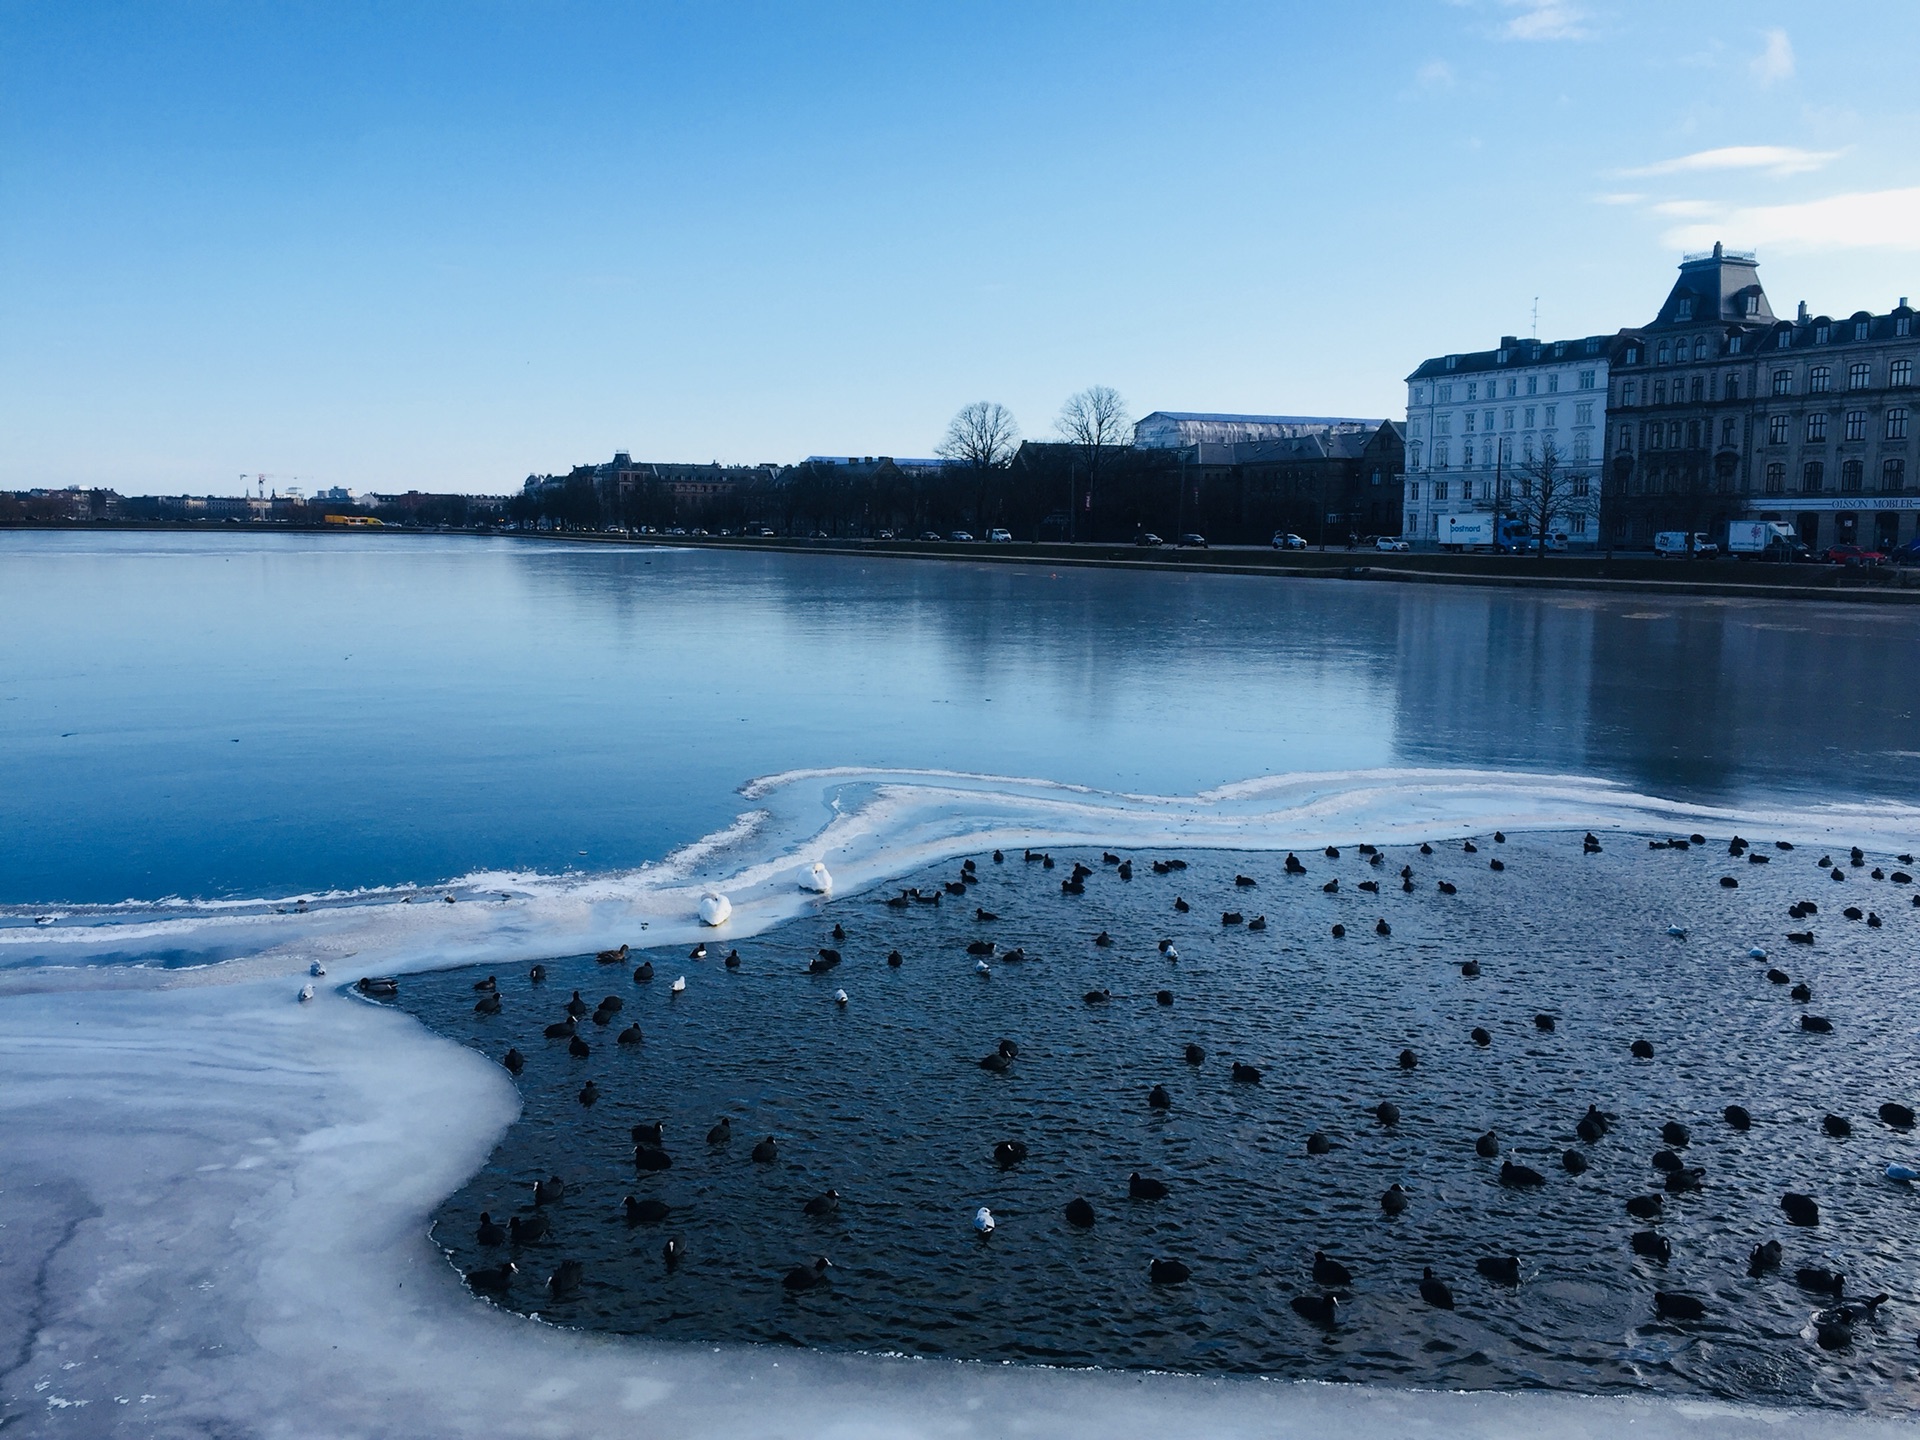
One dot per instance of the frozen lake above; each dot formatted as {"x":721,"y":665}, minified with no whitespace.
{"x":276,"y":751}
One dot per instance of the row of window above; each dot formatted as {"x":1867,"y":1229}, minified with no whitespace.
{"x":1516,"y":385}
{"x":1699,"y":347}
{"x":1813,"y":475}
{"x":1490,"y":452}
{"x":1859,"y":377}
{"x":1576,"y":486}
{"x":1560,"y":347}
{"x":1701,"y":388}
{"x":1853,"y":426}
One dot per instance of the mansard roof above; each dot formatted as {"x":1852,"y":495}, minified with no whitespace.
{"x":1515,"y":353}
{"x":1719,"y":285}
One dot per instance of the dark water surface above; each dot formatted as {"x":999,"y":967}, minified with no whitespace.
{"x":220,"y":715}
{"x":884,"y":1101}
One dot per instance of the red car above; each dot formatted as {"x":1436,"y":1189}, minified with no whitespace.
{"x":1854,"y":555}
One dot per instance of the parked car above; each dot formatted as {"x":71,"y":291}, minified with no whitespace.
{"x":883,"y":534}
{"x":1854,"y":555}
{"x":960,"y":537}
{"x":1287,"y":540}
{"x":1190,"y":541}
{"x":765,"y":532}
{"x":933,"y":535}
{"x":1909,"y":553}
{"x":998,"y":536}
{"x":1147,"y":539}
{"x":1389,"y":544}
{"x":676,"y":530}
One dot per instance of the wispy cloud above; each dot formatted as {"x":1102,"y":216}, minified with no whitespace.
{"x":1776,"y":159}
{"x":1545,"y":20}
{"x":1775,"y":60}
{"x":1686,"y":209}
{"x":1435,"y":75}
{"x":1864,"y":220}
{"x":1620,"y":197}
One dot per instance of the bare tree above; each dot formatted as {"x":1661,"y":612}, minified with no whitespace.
{"x":980,"y":439}
{"x":1543,"y":493}
{"x":1095,"y":422}
{"x":981,"y":436}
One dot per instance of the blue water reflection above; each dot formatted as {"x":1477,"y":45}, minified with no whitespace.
{"x":232,"y":714}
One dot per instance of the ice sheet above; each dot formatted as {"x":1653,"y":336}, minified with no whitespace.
{"x":215,"y":1198}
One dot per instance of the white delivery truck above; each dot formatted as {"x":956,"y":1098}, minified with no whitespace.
{"x":1468,"y":532}
{"x":1762,"y":539}
{"x":1673,"y":544}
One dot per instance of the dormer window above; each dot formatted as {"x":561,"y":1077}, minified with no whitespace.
{"x":1859,"y":329}
{"x":1786,"y":338}
{"x":1683,"y":311}
{"x":1593,"y":347}
{"x":1733,"y":345}
{"x":1753,"y":305}
{"x":1452,"y":361}
{"x":1633,"y":355}
{"x":1822,"y":334}
{"x":1500,"y":357}
{"x":1903,"y":326}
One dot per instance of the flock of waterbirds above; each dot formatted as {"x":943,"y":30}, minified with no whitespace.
{"x":1832,"y":1324}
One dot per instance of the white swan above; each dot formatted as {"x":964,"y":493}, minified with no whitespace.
{"x":714,"y":908}
{"x":678,"y":987}
{"x":983,"y":1220}
{"x":306,"y":993}
{"x":840,"y":998}
{"x":817,"y":879}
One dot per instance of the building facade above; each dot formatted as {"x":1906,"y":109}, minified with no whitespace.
{"x":1721,"y":411}
{"x":1480,"y":424}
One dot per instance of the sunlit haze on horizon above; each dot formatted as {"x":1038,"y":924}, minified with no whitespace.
{"x":443,"y":247}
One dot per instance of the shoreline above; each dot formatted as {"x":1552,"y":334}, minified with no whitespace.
{"x":1620,"y":575}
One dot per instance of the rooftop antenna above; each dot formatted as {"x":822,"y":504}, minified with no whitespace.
{"x":1536,"y":317}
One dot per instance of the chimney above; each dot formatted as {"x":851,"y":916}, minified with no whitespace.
{"x":1509,"y":342}
{"x":1803,"y":312}
{"x":1716,"y":250}
{"x":1903,"y":302}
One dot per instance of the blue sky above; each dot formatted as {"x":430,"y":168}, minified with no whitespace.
{"x":391,"y":246}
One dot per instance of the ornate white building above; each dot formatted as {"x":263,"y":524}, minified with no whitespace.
{"x":1473,"y":419}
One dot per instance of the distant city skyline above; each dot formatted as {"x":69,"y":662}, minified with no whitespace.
{"x":441,"y":249}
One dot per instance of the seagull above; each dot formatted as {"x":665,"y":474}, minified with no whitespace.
{"x":983,"y":1220}
{"x":306,"y":993}
{"x":316,"y":968}
{"x":982,"y":968}
{"x":840,"y":998}
{"x":679,"y":986}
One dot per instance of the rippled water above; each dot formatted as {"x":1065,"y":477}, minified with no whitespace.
{"x":884,"y":1101}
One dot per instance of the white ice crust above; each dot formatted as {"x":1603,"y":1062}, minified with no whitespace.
{"x":215,"y":1198}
